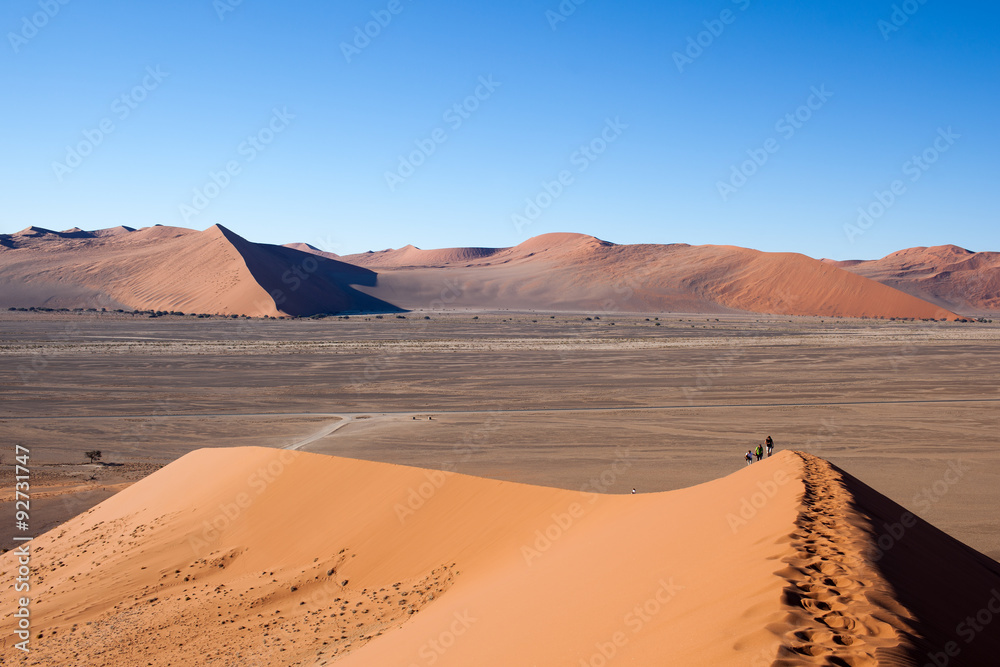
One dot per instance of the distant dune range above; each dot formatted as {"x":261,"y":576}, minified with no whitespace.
{"x":948,"y":276}
{"x":263,"y":557}
{"x":218,"y":272}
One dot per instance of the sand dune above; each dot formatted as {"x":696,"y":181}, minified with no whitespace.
{"x":581,"y":273}
{"x":217,"y":271}
{"x":267,"y":557}
{"x":951,"y":277}
{"x":305,"y":247}
{"x":175,"y":269}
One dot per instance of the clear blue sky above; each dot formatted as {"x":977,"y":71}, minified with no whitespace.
{"x":330,"y":121}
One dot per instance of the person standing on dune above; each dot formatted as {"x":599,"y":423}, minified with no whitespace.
{"x":749,"y":457}
{"x":770,"y":445}
{"x":759,"y":452}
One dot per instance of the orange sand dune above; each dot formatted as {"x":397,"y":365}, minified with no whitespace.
{"x":305,"y":247}
{"x":217,"y":271}
{"x":579,"y":272}
{"x":951,"y":277}
{"x":267,"y":557}
{"x":412,"y":256}
{"x":175,"y":269}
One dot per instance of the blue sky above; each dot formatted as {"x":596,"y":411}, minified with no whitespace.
{"x":781,"y":126}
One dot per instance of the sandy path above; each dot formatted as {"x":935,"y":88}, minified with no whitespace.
{"x":322,"y":433}
{"x":842,"y":611}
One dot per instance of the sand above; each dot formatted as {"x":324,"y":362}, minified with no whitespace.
{"x":578,"y":272}
{"x":178,"y":270}
{"x":287,"y":558}
{"x":951,"y":277}
{"x":565,"y":404}
{"x":217,"y":271}
{"x":895,"y":402}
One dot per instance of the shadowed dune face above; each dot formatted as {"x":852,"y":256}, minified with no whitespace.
{"x":276,"y":557}
{"x":305,"y":283}
{"x":951,"y":591}
{"x":217,"y":271}
{"x":174,"y":269}
{"x":951,"y":277}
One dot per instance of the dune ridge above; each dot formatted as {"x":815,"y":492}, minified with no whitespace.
{"x":579,"y":273}
{"x":217,"y":271}
{"x":949,"y":276}
{"x":841,"y":610}
{"x":175,"y":269}
{"x":276,"y":557}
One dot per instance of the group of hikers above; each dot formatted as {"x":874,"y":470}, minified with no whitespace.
{"x":758,"y":452}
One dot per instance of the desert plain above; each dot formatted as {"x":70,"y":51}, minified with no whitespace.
{"x":586,"y":403}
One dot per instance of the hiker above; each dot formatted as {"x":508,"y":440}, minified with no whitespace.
{"x":759,"y":452}
{"x":770,"y":445}
{"x":749,"y":457}
{"x":633,"y":490}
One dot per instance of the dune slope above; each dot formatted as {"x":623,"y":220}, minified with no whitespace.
{"x":581,"y":273}
{"x":951,"y":277}
{"x":175,"y":269}
{"x":217,"y":271}
{"x":268,"y":557}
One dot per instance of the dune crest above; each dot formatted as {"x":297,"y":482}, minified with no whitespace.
{"x":275,"y":557}
{"x":217,"y":271}
{"x":175,"y":269}
{"x":580,"y":273}
{"x":949,"y":276}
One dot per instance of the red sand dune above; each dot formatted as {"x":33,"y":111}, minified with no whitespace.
{"x":582,"y":273}
{"x":951,"y":277}
{"x":175,"y":269}
{"x":255,"y":556}
{"x":217,"y":271}
{"x":305,"y":247}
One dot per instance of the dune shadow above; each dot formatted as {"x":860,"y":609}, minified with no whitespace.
{"x":941,"y":581}
{"x":304,"y":284}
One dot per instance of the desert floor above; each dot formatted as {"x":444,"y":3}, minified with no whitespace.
{"x":655,"y":402}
